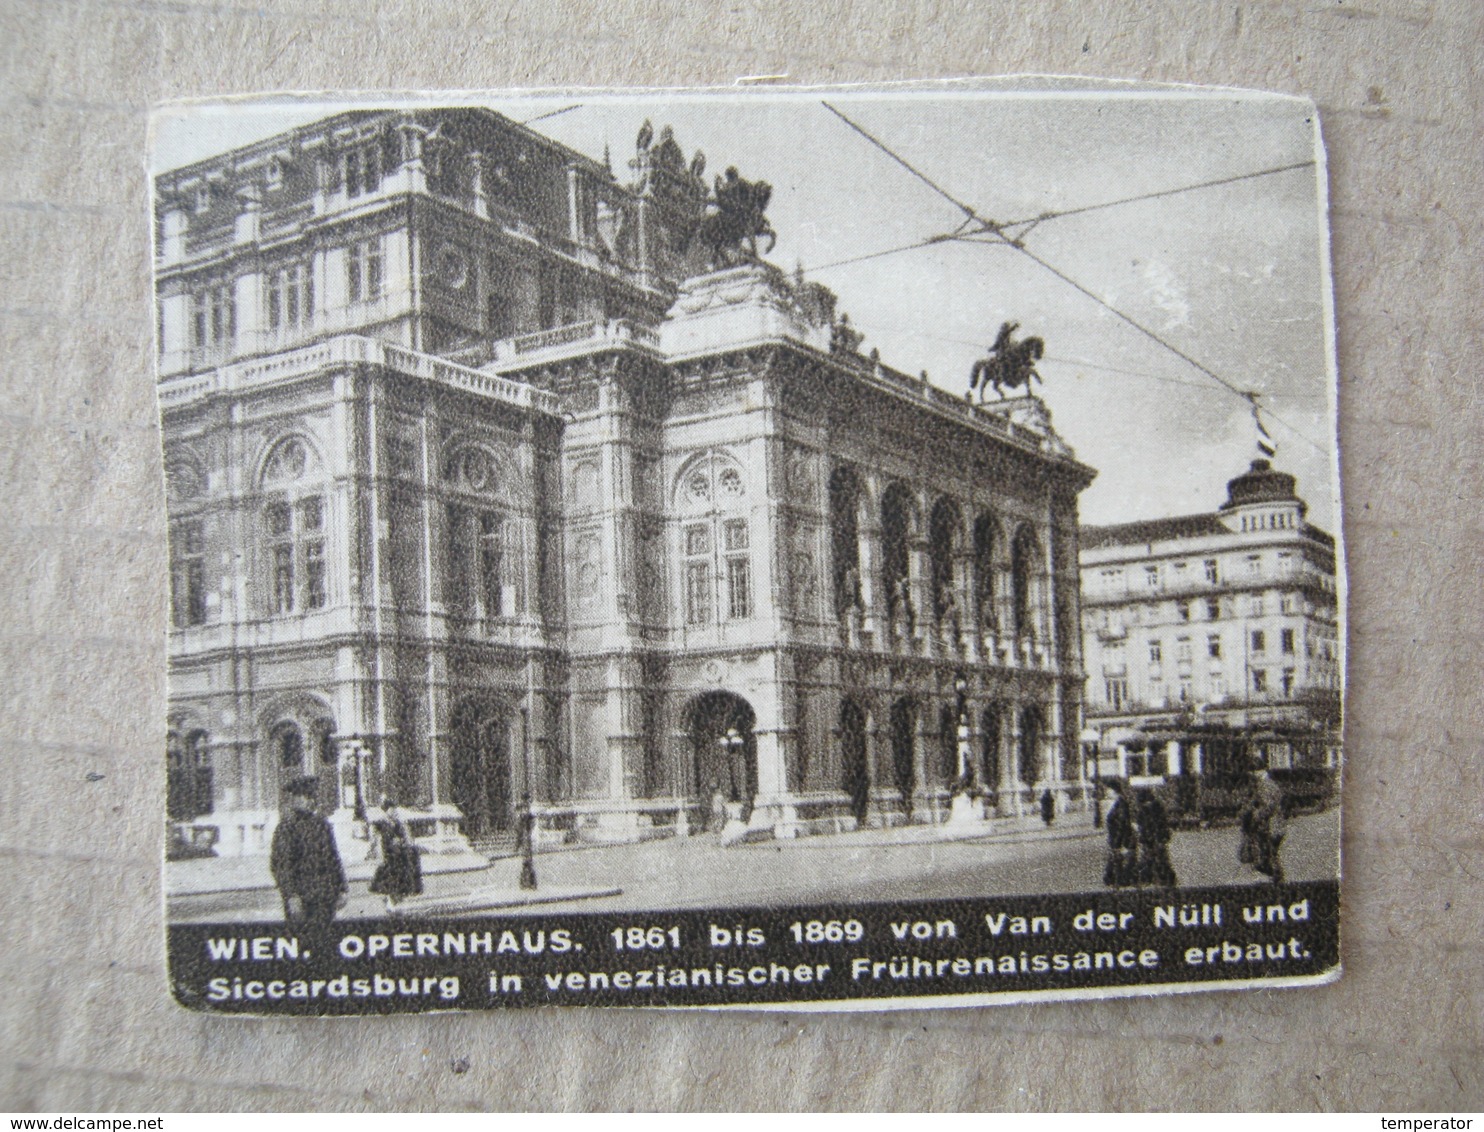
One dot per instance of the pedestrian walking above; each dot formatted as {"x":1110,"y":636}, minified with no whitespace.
{"x":1122,"y":869}
{"x":400,"y":873}
{"x":304,"y":861}
{"x":1154,"y":841}
{"x":1264,"y":825}
{"x":1048,"y":808}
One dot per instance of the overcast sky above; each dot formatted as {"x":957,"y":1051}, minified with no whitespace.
{"x":1233,"y":276}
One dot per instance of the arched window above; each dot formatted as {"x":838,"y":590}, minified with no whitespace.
{"x":293,"y":528}
{"x":943,"y":542}
{"x":896,"y":533}
{"x":984,"y":567}
{"x":715,"y":542}
{"x":1023,"y":569}
{"x":845,"y":496}
{"x":287,"y":744}
{"x":1030,"y":745}
{"x":188,"y":787}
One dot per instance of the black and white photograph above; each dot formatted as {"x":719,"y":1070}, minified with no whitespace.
{"x":769,"y":548}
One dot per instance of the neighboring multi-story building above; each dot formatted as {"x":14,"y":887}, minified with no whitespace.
{"x":492,"y":476}
{"x":1211,"y":638}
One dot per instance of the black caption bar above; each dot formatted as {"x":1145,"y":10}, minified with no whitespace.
{"x":742,"y":956}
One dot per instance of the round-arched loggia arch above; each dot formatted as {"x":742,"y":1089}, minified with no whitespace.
{"x":855,"y":775}
{"x":481,"y":780}
{"x":903,"y":749}
{"x":724,"y":745}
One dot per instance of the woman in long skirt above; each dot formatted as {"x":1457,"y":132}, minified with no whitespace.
{"x":400,"y":873}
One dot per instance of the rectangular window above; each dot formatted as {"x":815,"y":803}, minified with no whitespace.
{"x":1182,"y":650}
{"x":739,"y":572}
{"x":697,"y":540}
{"x":1255,"y":606}
{"x":188,"y":574}
{"x":1254,"y":564}
{"x":1259,"y":640}
{"x":1286,"y":642}
{"x":283,"y":579}
{"x":296,"y":555}
{"x":1212,"y":574}
{"x":1288,"y":681}
{"x":734,"y":534}
{"x":1213,"y":646}
{"x":362,"y":170}
{"x":1213,"y":609}
{"x":698,"y":593}
{"x":1155,"y":652}
{"x":1182,"y":610}
{"x":290,"y":297}
{"x":363,"y":271}
{"x":739,"y":589}
{"x":214,"y":316}
{"x":312,"y":542}
{"x":1116,"y":690}
{"x":1151,"y":577}
{"x":1285,"y":603}
{"x":491,"y":551}
{"x":1259,"y":680}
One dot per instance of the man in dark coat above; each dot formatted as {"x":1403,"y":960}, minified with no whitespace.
{"x":1265,"y":824}
{"x":1122,"y":869}
{"x":1154,"y":841}
{"x":304,"y":861}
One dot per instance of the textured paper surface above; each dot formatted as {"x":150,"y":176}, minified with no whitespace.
{"x":85,"y":1020}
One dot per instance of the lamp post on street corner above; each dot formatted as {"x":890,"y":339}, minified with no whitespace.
{"x":961,"y":716}
{"x":1092,"y":746}
{"x":731,"y":742}
{"x":528,"y":844}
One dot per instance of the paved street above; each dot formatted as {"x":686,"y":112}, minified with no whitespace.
{"x":876,"y":865}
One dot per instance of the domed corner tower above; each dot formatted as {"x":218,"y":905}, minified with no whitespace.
{"x":1262,"y":499}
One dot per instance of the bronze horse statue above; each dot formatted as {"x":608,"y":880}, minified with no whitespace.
{"x":735,"y":221}
{"x":1010,"y":364}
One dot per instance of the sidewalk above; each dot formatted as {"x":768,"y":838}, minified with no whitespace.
{"x":204,"y":876}
{"x":215,"y":875}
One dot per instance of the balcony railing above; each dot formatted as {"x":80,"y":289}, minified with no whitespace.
{"x":582,"y":335}
{"x":351,"y":349}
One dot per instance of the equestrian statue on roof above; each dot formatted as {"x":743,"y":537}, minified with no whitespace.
{"x":1010,"y":364}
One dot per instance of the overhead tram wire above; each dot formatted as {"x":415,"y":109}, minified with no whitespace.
{"x":1059,"y":213}
{"x":553,"y":113}
{"x":997,"y":230}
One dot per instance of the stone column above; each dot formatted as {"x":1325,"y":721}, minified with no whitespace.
{"x":1009,"y":786}
{"x":174,"y":223}
{"x":575,"y":228}
{"x":873,"y":597}
{"x":413,"y":172}
{"x":478,"y":200}
{"x":919,"y":585}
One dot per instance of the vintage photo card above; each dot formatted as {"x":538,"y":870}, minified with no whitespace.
{"x":767,"y":548}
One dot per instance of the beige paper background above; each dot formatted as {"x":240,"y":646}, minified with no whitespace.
{"x":85,"y":1021}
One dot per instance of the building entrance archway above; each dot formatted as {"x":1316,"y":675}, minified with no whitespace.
{"x":855,"y":776}
{"x":989,"y":748}
{"x":904,"y":749}
{"x":725,"y":748}
{"x":481,"y":779}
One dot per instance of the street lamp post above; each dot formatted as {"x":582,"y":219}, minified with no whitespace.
{"x":961,"y":701}
{"x":731,"y":742}
{"x":528,"y":844}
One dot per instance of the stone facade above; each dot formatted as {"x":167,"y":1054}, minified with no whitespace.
{"x":482,"y":484}
{"x":1213,"y":637}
